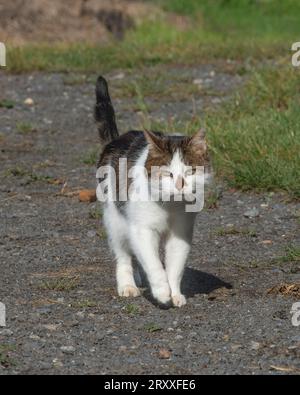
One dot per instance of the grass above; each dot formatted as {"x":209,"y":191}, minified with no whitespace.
{"x":292,"y":254}
{"x":152,"y":327}
{"x":95,"y":213}
{"x":101,"y":233}
{"x":6,"y":103}
{"x":63,"y":284}
{"x":254,"y":138}
{"x":90,"y":158}
{"x":85,"y":304}
{"x":25,"y":127}
{"x":132,"y":309}
{"x":233,"y":231}
{"x":18,"y":171}
{"x":6,"y":360}
{"x":217,"y":29}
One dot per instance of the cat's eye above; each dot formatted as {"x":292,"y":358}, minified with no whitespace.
{"x":189,"y":172}
{"x":166,"y":173}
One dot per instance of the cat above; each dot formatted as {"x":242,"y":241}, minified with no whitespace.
{"x":135,"y":228}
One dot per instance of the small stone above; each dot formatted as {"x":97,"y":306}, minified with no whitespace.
{"x":91,"y":234}
{"x":235,"y":347}
{"x":34,"y":337}
{"x":212,"y":73}
{"x":51,"y":327}
{"x":254,"y":345}
{"x":67,"y":349}
{"x":6,"y":332}
{"x":178,"y":337}
{"x":198,"y":81}
{"x":57,"y":363}
{"x":118,"y":76}
{"x":251,"y":213}
{"x":29,"y":101}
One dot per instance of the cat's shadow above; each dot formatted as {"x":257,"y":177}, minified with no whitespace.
{"x":194,"y":282}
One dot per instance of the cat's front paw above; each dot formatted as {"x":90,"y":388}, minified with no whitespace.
{"x":162,"y":294}
{"x":128,"y":291}
{"x":178,"y":300}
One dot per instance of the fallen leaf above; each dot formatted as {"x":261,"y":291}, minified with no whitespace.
{"x":87,"y":195}
{"x":285,"y":289}
{"x":220,"y":294}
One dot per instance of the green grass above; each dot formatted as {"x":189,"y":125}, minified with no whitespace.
{"x":152,"y":327}
{"x":25,"y":127}
{"x":90,"y":158}
{"x":233,"y":231}
{"x":63,"y":284}
{"x":255,"y":139}
{"x":95,"y":212}
{"x":84,"y":304}
{"x":101,"y":233}
{"x":18,"y":171}
{"x":6,"y":361}
{"x":131,"y":309}
{"x":217,"y":29}
{"x":6,"y":103}
{"x":292,"y":254}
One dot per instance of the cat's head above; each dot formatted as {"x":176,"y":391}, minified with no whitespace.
{"x":177,"y":160}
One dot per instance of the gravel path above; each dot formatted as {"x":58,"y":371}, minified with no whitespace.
{"x":57,"y":275}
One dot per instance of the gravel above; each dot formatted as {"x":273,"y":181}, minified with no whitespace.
{"x":57,"y":275}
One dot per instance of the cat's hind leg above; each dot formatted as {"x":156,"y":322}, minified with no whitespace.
{"x":117,"y":230}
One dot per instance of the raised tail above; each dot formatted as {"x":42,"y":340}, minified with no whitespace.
{"x":104,"y":113}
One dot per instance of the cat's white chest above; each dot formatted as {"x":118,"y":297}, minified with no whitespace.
{"x":148,"y":214}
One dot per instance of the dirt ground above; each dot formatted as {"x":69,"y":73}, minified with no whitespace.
{"x":57,"y":274}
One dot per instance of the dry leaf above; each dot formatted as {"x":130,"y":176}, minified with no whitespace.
{"x":87,"y":195}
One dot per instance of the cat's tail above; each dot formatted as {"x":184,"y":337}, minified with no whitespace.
{"x":104,"y":113}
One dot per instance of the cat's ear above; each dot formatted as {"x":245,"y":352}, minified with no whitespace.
{"x":154,"y":140}
{"x":197,"y":141}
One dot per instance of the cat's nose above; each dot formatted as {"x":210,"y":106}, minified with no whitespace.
{"x":179,"y":183}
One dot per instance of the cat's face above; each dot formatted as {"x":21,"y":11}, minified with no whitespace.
{"x":179,"y":163}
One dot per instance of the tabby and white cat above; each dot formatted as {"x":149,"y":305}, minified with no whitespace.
{"x":136,"y":228}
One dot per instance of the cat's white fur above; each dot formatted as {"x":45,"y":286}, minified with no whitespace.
{"x":139,"y":230}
